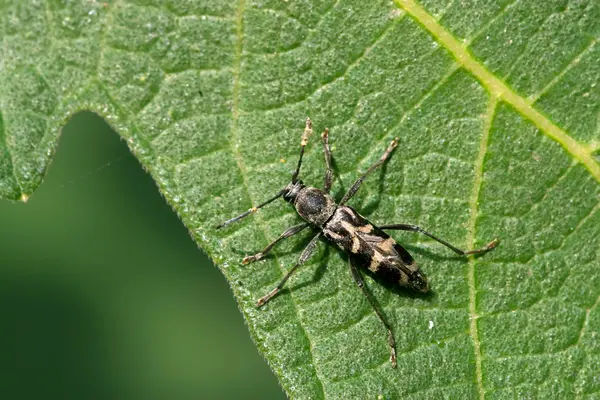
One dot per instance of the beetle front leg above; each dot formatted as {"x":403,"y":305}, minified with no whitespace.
{"x":290,"y":232}
{"x":372,"y":168}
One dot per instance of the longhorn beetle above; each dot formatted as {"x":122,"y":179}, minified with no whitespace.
{"x":366,"y":244}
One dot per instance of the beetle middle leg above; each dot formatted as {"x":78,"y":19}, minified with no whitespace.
{"x":288,"y":233}
{"x":361,"y":284}
{"x":329,"y":170}
{"x":306,"y":253}
{"x":372,"y":168}
{"x":415,"y":228}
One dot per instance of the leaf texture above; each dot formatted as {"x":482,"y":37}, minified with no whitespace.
{"x":496,"y":105}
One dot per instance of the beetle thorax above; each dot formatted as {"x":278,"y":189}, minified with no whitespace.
{"x":314,"y":205}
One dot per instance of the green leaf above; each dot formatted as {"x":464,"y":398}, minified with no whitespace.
{"x":496,"y":105}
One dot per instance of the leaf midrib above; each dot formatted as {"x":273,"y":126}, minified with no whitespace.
{"x":498,"y":88}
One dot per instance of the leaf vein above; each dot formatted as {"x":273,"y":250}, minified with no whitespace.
{"x":526,"y":48}
{"x":535,"y":97}
{"x":102,"y":41}
{"x":240,"y":162}
{"x":574,"y":231}
{"x":4,"y":135}
{"x":500,"y":89}
{"x":586,"y":320}
{"x":350,"y":66}
{"x":503,"y":11}
{"x":404,"y":353}
{"x":549,"y":189}
{"x":4,"y":132}
{"x":417,"y":104}
{"x":473,"y":205}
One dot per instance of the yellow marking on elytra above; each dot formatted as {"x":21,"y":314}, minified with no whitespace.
{"x":374,"y":266}
{"x":348,"y":226}
{"x":353,"y":229}
{"x":500,"y":89}
{"x":365,"y":228}
{"x":376,"y":260}
{"x":355,"y":244}
{"x":387,"y":246}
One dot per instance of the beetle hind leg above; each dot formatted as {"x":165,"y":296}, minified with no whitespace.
{"x":361,"y":284}
{"x":415,"y":228}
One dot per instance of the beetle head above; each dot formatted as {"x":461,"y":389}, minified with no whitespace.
{"x":290,"y":192}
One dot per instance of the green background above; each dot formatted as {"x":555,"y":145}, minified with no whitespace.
{"x":496,"y":105}
{"x":104,"y":294}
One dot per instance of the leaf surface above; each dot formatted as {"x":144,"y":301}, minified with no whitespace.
{"x":496,"y":105}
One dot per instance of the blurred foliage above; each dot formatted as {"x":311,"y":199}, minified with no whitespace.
{"x":103,"y":294}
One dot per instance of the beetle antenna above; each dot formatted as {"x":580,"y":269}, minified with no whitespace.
{"x":250,"y":211}
{"x":305,"y":135}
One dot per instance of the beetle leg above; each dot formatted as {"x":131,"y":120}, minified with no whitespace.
{"x":306,"y":253}
{"x":361,"y":284}
{"x":372,"y":168}
{"x":415,"y":228}
{"x":329,"y":170}
{"x":289,"y":232}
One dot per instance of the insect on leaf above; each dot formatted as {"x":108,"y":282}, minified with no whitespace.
{"x":495,"y":105}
